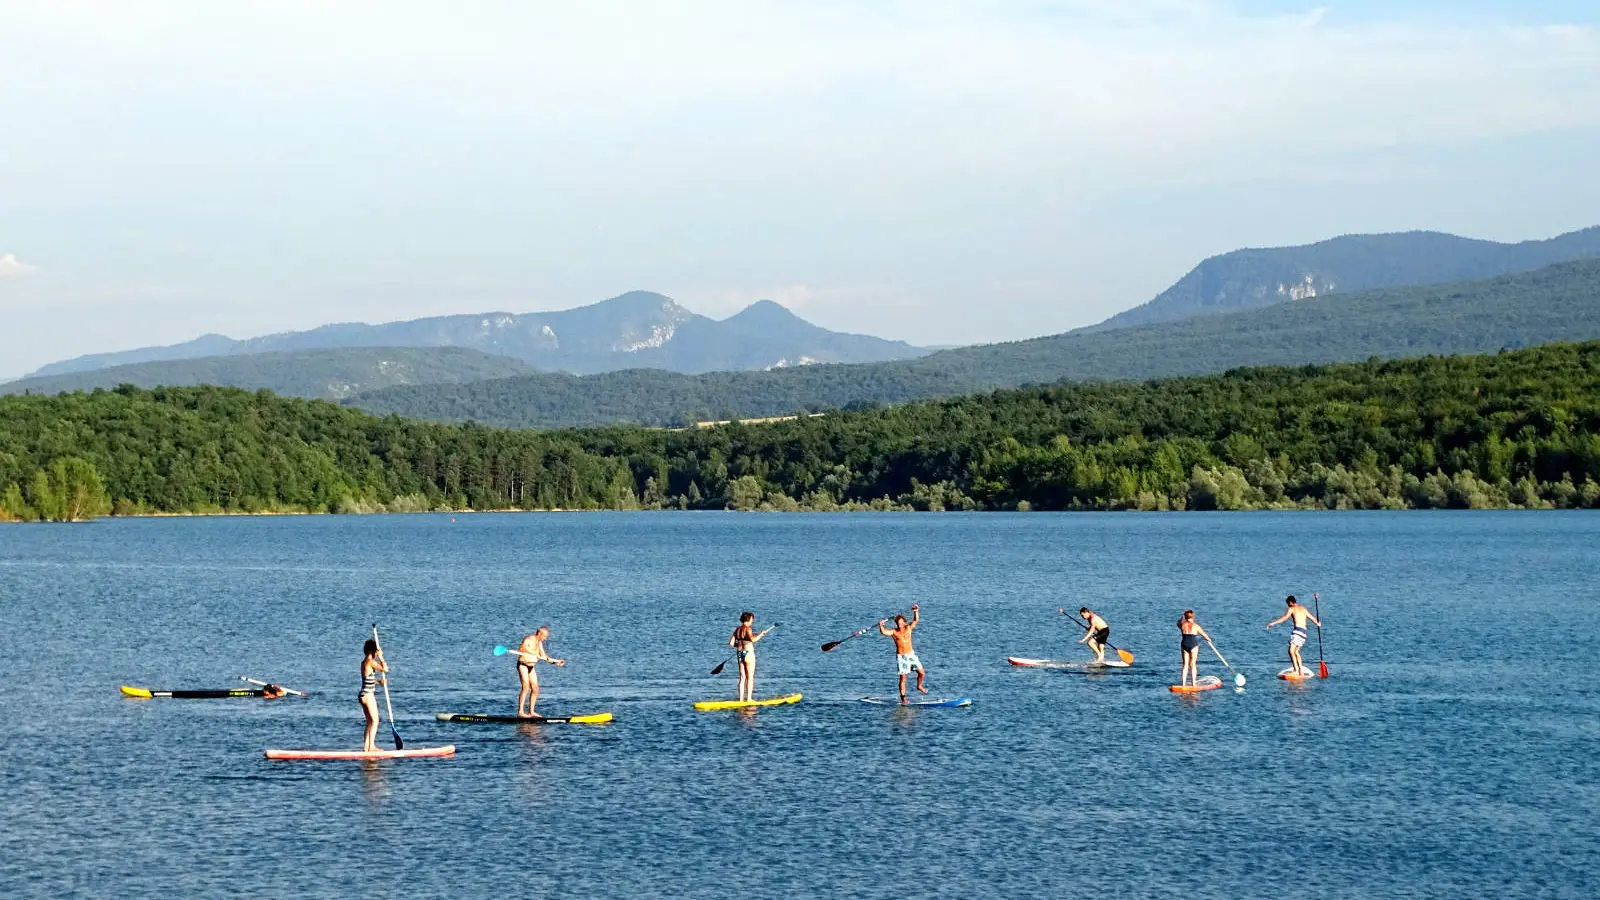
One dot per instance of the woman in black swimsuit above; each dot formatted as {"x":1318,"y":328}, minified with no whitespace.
{"x":1192,"y":633}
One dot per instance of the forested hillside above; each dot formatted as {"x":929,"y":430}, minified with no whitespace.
{"x":1557,"y":303}
{"x":1520,"y":428}
{"x":314,"y":374}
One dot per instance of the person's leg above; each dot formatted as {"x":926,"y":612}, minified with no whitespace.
{"x":921,"y":674}
{"x":369,"y":708}
{"x":533,"y":694}
{"x":902,"y":687}
{"x":524,"y":689}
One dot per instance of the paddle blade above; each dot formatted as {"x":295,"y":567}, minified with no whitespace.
{"x":718,"y":669}
{"x":1322,"y":670}
{"x":398,"y":744}
{"x":830,"y":645}
{"x":1125,"y":656}
{"x":1238,"y":679}
{"x":500,"y":651}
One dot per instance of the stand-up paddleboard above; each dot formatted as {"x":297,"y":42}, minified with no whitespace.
{"x":1292,"y":674}
{"x":486,"y":719}
{"x":919,"y":701}
{"x":1026,"y":662}
{"x":220,"y":694}
{"x":1203,"y":683}
{"x":447,"y":750}
{"x":747,"y":704}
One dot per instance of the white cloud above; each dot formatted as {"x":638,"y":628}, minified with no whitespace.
{"x":11,"y":267}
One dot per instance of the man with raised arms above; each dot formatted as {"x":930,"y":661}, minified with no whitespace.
{"x":1297,"y":638}
{"x":905,"y":658}
{"x":528,"y":654}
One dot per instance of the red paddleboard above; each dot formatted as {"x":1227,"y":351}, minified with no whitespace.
{"x":1205,"y":683}
{"x":447,"y":750}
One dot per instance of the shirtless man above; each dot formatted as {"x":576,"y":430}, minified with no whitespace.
{"x":1297,"y":638}
{"x":1098,"y":634}
{"x":905,"y":658}
{"x":528,"y":654}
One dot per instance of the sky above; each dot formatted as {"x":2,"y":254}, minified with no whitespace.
{"x":932,"y":171}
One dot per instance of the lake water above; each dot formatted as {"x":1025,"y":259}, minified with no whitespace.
{"x":1451,"y":754}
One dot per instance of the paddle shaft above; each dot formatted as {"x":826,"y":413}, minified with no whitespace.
{"x":264,"y":684}
{"x":1322,"y":663}
{"x":1219,"y":655}
{"x":398,"y":743}
{"x":1125,"y":655}
{"x":831,"y":645}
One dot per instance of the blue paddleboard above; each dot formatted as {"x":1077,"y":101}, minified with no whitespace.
{"x":924,"y":701}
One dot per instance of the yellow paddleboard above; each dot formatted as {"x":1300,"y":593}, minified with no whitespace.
{"x":743,"y":704}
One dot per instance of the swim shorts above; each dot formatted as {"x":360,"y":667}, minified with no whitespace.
{"x":1103,"y":636}
{"x":905,"y":662}
{"x":1298,"y":639}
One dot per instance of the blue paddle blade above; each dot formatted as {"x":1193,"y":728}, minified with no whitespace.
{"x":500,"y":651}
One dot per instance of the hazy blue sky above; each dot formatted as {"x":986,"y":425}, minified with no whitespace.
{"x":935,"y":171}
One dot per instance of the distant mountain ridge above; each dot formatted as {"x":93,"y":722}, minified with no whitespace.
{"x":1253,"y":278}
{"x":640,"y":329}
{"x":313,"y":374}
{"x":1558,"y":303}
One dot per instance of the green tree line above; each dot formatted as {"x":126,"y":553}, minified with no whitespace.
{"x":1515,"y":429}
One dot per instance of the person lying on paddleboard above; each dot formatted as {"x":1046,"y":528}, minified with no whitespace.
{"x":743,"y":642}
{"x":372,"y":668}
{"x":528,"y":655}
{"x":905,"y":658}
{"x":1192,"y":635}
{"x":271,"y":692}
{"x":1098,"y":635}
{"x":1297,"y":637}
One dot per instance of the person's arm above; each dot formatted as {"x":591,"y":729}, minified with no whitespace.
{"x":1085,"y":638}
{"x":916,"y":615}
{"x":1314,"y":620}
{"x":882,"y":630}
{"x":1202,"y":632}
{"x":1278,"y":621}
{"x":762,"y":634}
{"x":733,"y":639}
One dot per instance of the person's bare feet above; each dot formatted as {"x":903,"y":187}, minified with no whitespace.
{"x":922,"y":688}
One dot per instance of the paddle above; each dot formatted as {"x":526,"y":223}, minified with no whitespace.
{"x":264,"y":684}
{"x":1237,"y":678}
{"x":398,"y":744}
{"x":724,"y":663}
{"x":832,"y":644}
{"x":1322,"y":665}
{"x":501,"y":650}
{"x":1124,"y":655}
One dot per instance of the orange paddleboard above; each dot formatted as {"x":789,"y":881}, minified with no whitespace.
{"x":1205,"y":683}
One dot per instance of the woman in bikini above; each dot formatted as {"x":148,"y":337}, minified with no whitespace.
{"x":372,"y":668}
{"x":743,"y":643}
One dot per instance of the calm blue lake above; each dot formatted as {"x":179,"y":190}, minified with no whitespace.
{"x":1451,"y":754}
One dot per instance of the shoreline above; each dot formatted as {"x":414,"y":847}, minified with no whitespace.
{"x":972,"y":512}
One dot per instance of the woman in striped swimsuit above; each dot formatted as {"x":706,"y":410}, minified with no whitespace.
{"x":372,"y":667}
